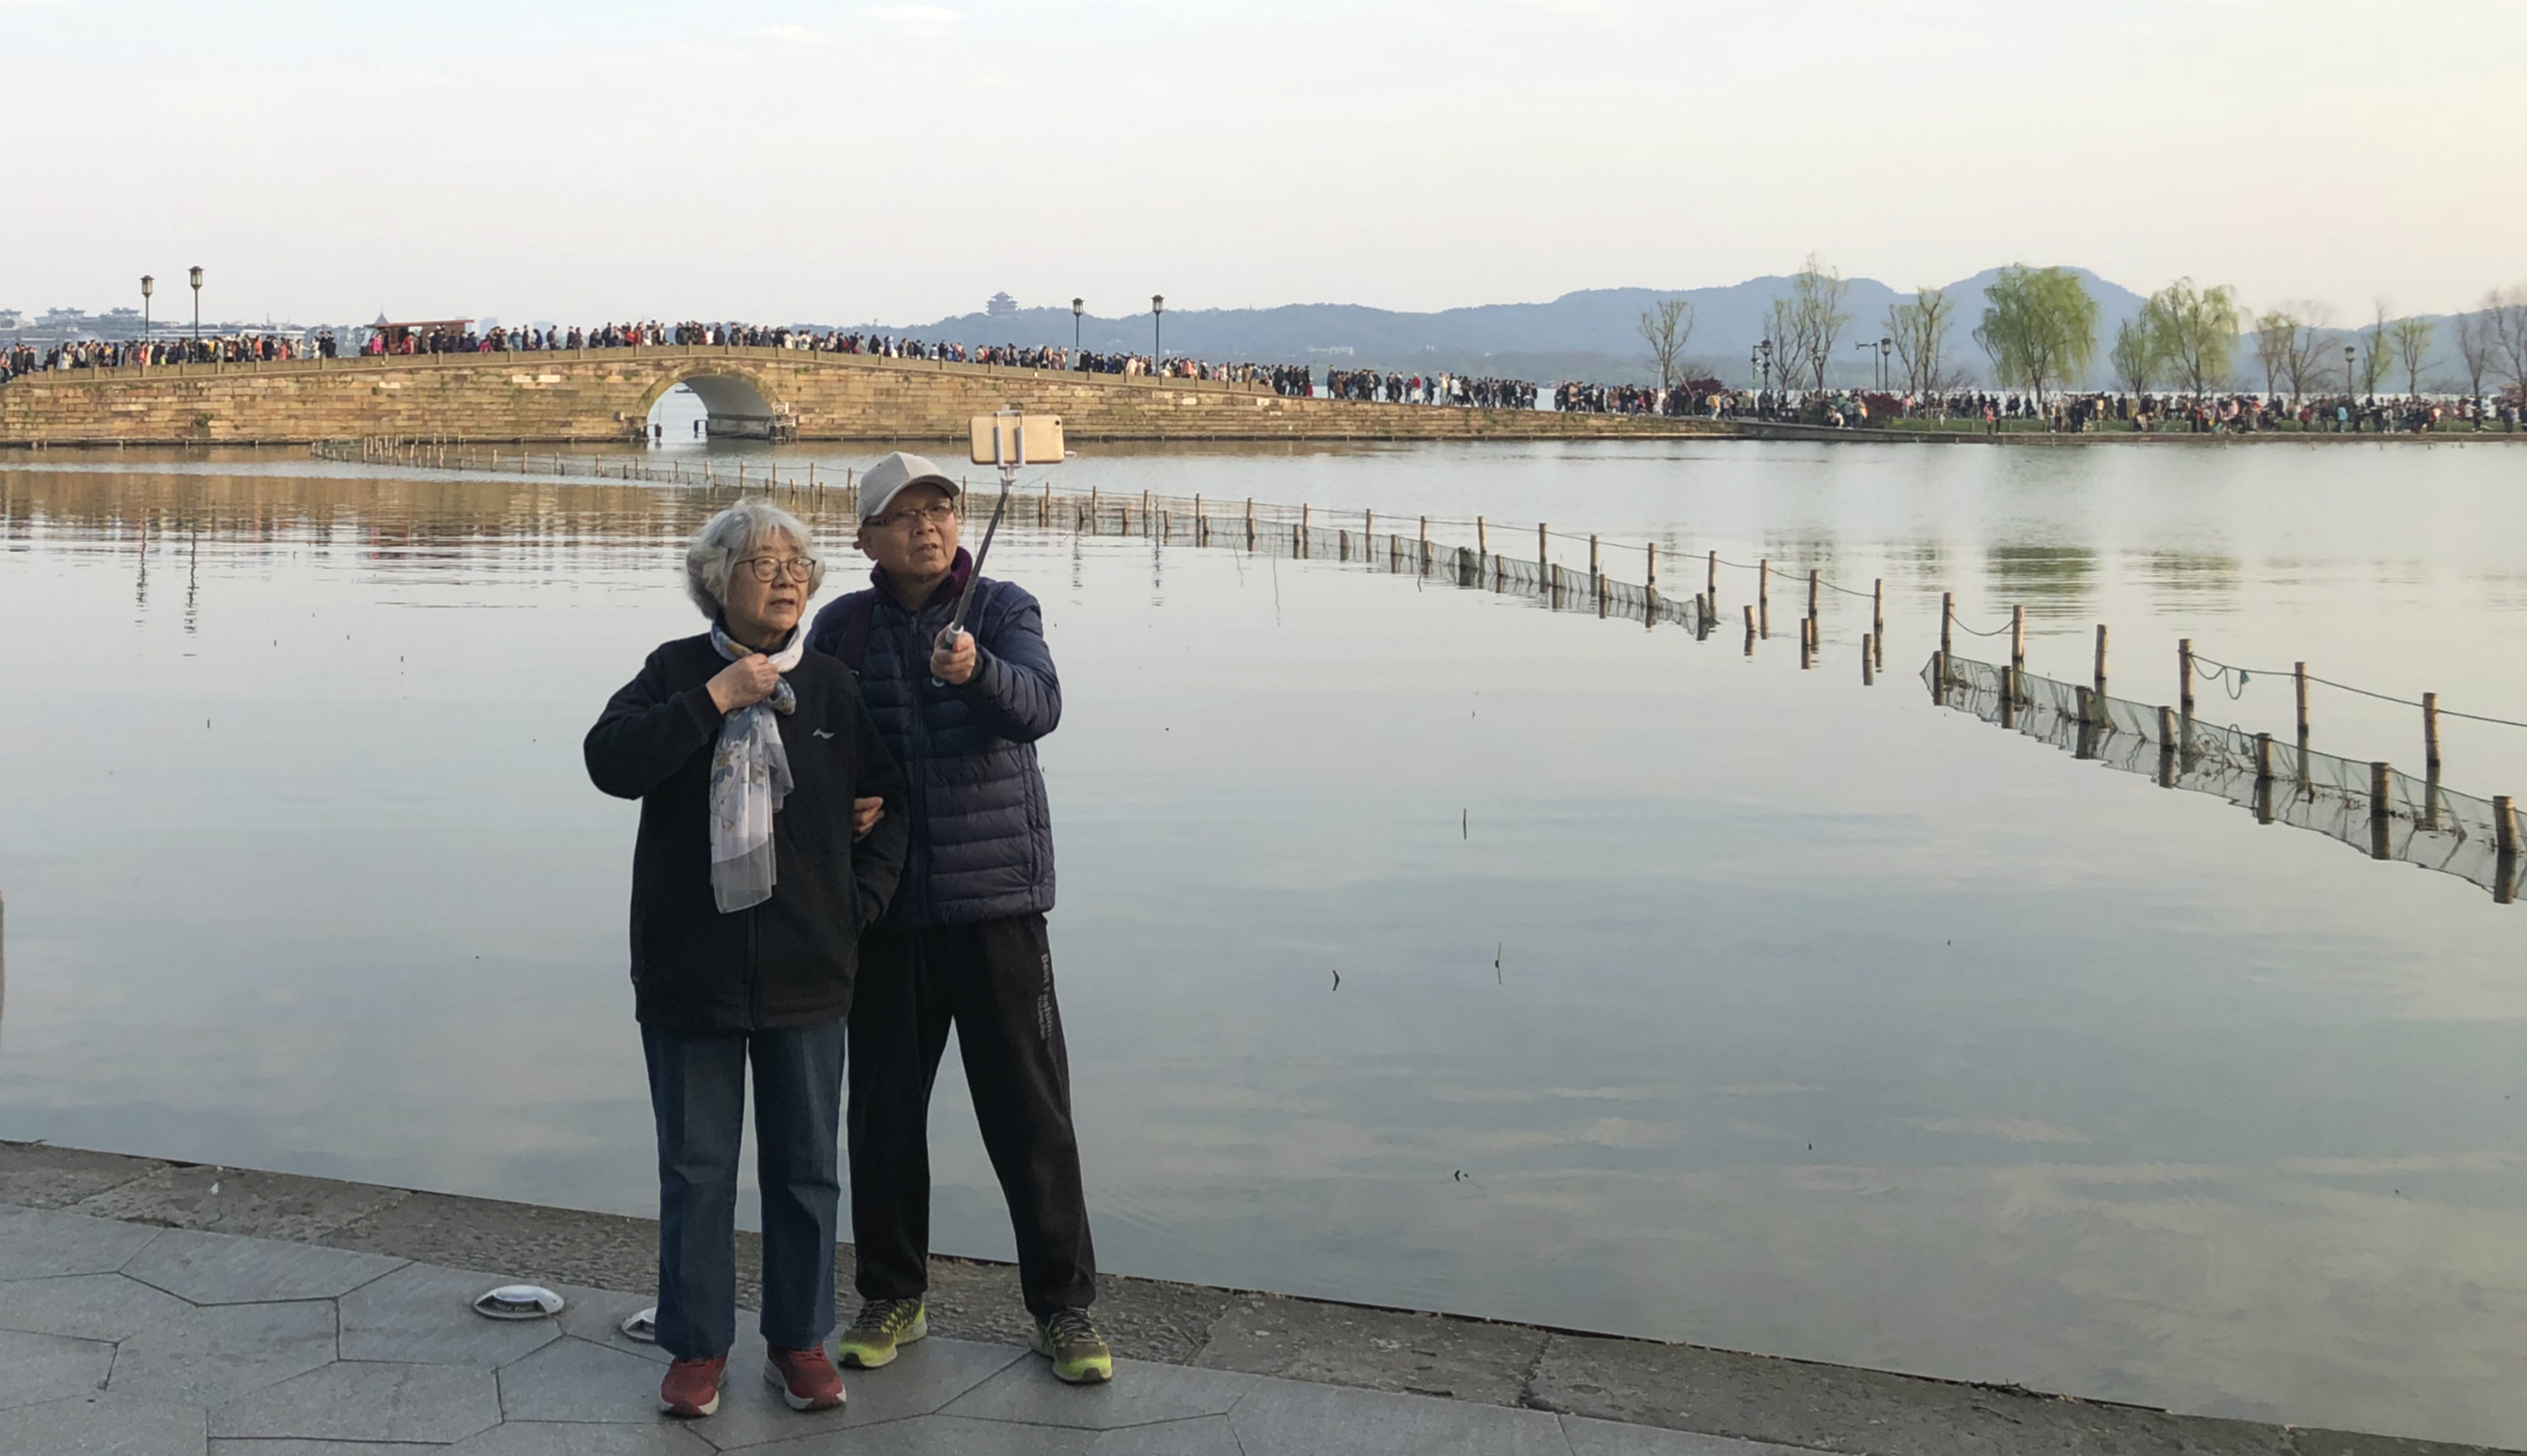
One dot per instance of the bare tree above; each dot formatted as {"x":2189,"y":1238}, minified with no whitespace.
{"x":1665,"y":329}
{"x":2476,"y":340}
{"x":2410,"y":337}
{"x":2508,"y":312}
{"x":2276,"y":332}
{"x":1808,"y":324}
{"x":1919,"y":329}
{"x":1788,"y":359}
{"x":2303,"y":361}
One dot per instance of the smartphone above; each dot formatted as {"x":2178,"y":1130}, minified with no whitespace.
{"x":1042,"y":438}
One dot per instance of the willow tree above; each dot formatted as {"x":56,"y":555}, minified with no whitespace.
{"x":2039,"y":327}
{"x":2410,"y":336}
{"x":2134,"y":358}
{"x":2197,"y":329}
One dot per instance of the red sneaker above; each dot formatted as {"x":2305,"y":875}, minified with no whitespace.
{"x":691,"y":1386}
{"x":806,"y":1378}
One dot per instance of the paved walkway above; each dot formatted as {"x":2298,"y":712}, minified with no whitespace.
{"x":129,"y":1339}
{"x":150,"y":1306}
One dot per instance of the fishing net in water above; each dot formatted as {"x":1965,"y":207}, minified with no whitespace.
{"x":2374,"y":808}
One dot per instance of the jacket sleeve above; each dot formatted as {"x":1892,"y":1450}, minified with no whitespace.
{"x":877,"y":861}
{"x":1014,"y":690}
{"x":647,"y":733}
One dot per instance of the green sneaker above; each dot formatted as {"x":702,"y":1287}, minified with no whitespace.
{"x":1077,"y":1351}
{"x":883,"y":1325}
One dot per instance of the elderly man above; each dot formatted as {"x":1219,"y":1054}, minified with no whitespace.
{"x":962,"y":943}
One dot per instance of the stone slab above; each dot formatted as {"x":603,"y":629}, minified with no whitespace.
{"x":234,"y":1200}
{"x":209,"y":1356}
{"x":1141,"y":1394}
{"x":925,"y":1377}
{"x":38,"y":1244}
{"x":39,"y":1175}
{"x":540,"y":1438}
{"x":578,"y":1380}
{"x":423,"y":1315}
{"x":1407,"y":1354}
{"x":2351,"y":1444}
{"x":598,"y":1316}
{"x":36,"y":1368}
{"x":225,"y":1268}
{"x":103,"y":1425}
{"x":1288,"y":1418}
{"x":103,"y":1307}
{"x":935,"y":1435}
{"x":323,"y":1448}
{"x":1206,"y":1436}
{"x":359,"y":1401}
{"x":1589,"y":1438}
{"x":1835,"y":1407}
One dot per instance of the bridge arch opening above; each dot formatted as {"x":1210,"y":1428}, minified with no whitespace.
{"x":705,"y":407}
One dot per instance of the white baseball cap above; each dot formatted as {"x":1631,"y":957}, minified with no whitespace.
{"x":896,"y":473}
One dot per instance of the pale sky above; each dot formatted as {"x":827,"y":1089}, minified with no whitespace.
{"x":785,"y":160}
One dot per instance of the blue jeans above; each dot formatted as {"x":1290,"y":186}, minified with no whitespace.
{"x":697,"y":1093}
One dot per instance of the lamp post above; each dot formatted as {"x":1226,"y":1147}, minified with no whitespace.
{"x":197,"y":303}
{"x":1765,"y":348}
{"x":1753,"y":359}
{"x":1886,"y":370}
{"x":1078,"y":305}
{"x":148,"y":285}
{"x":1158,"y":310}
{"x":2350,"y":379}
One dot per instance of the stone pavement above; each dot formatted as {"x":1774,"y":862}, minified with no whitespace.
{"x":128,"y":1338}
{"x":152,"y":1307}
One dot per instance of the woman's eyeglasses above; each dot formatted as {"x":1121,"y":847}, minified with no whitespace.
{"x":765,"y":568}
{"x":937,"y":514}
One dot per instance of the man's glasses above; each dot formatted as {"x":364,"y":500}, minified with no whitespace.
{"x":937,"y":514}
{"x":765,"y":568}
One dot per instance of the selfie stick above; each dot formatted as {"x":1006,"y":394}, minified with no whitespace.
{"x":1009,"y":475}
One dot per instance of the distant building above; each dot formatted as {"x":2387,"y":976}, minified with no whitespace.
{"x":1002,"y":306}
{"x":10,"y":318}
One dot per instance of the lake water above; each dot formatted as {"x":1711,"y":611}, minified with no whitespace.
{"x":1681,"y":993}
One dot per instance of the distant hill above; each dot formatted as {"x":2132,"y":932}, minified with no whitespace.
{"x":1586,"y":335}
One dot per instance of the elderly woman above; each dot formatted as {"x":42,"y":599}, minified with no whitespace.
{"x":753,"y":875}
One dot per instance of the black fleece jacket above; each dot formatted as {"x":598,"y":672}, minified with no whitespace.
{"x":791,"y":960}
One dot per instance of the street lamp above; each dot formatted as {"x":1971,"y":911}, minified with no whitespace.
{"x":1752,"y":359}
{"x":1766,"y":349}
{"x":1158,"y":308}
{"x":1885,"y":371}
{"x":1076,"y":306}
{"x":148,"y":285}
{"x":197,"y":303}
{"x":2351,"y":381}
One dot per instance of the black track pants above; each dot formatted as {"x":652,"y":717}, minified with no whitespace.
{"x":994,"y":983}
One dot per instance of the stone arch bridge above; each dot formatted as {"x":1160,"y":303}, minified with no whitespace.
{"x":606,"y":395}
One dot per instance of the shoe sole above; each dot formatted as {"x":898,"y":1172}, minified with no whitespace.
{"x":691,"y":1412}
{"x":853,"y":1359}
{"x":1091,"y":1375}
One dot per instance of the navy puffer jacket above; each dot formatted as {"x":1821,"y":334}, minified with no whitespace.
{"x":982,"y":834}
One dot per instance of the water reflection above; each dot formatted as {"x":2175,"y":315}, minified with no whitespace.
{"x":1757,"y":1007}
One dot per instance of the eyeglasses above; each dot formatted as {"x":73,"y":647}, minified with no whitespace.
{"x":937,"y":514}
{"x":765,"y":568}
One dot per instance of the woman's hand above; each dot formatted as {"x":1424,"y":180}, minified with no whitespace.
{"x":743,"y":682}
{"x":865,"y":812}
{"x":951,"y":660}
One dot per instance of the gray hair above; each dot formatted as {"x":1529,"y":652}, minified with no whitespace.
{"x":726,"y":537}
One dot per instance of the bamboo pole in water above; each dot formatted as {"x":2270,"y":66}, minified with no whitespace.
{"x":2380,"y":821}
{"x":2102,"y":660}
{"x":1947,"y":619}
{"x":1868,"y":666}
{"x":2185,"y":675}
{"x":2017,"y":639}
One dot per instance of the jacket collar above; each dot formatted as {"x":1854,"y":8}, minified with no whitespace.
{"x":959,"y":572}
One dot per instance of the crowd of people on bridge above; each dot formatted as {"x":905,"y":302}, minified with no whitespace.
{"x":2062,"y":411}
{"x":116,"y":353}
{"x":1443,"y":389}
